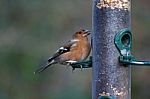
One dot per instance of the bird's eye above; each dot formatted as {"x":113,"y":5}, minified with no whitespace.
{"x":79,"y":32}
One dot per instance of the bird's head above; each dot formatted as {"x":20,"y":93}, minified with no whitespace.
{"x":82,"y":34}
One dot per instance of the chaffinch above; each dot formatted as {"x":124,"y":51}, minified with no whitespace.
{"x":77,"y":49}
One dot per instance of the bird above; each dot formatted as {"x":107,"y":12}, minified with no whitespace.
{"x":76,"y":49}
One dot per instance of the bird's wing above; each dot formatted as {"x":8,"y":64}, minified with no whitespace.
{"x":63,"y":49}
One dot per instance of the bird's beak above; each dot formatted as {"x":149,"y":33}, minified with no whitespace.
{"x":87,"y":32}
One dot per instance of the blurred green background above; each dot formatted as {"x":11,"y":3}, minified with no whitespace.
{"x":31,"y":30}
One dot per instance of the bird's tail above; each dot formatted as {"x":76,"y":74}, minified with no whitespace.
{"x":44,"y":67}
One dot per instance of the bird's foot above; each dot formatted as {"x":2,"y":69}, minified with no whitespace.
{"x":81,"y":67}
